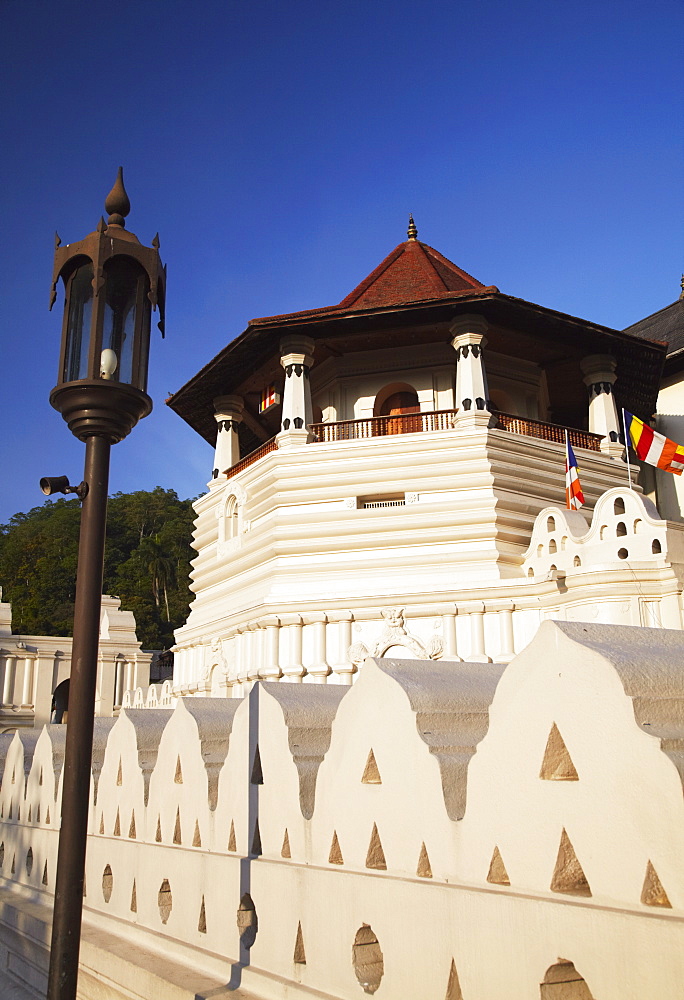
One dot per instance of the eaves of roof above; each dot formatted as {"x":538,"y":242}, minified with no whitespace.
{"x":641,"y":360}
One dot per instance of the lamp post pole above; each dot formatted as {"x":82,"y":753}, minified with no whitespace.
{"x":68,"y":906}
{"x":111,"y":283}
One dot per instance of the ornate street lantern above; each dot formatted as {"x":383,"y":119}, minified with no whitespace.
{"x":112,"y":283}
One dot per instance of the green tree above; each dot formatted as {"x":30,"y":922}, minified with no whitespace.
{"x":147,"y":563}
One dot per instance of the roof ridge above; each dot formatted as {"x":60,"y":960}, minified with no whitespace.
{"x":413,"y":270}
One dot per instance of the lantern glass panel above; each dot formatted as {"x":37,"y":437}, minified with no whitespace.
{"x":80,"y":305}
{"x":122,"y":279}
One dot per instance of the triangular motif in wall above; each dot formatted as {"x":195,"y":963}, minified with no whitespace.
{"x":196,"y":839}
{"x":45,"y":875}
{"x":299,"y":957}
{"x":177,"y":828}
{"x":202,"y":922}
{"x":134,"y":899}
{"x":453,"y":986}
{"x":653,"y":893}
{"x":117,"y":825}
{"x":257,"y":773}
{"x":285,"y":849}
{"x":568,"y":875}
{"x":131,"y":828}
{"x":424,"y":869}
{"x":371,"y":774}
{"x":335,"y":856}
{"x":497,"y":869}
{"x":256,"y":840}
{"x":179,"y":773}
{"x":557,"y":764}
{"x":119,"y":775}
{"x":47,"y":816}
{"x":231,"y":838}
{"x":102,"y":823}
{"x":38,"y":813}
{"x":158,"y":836}
{"x":29,"y":815}
{"x":376,"y":856}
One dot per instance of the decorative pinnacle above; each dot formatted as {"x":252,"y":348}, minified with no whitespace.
{"x":681,"y":294}
{"x":412,"y":232}
{"x":117,"y":203}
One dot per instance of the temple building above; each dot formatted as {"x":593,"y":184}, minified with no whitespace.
{"x":463,"y":779}
{"x":387,"y":480}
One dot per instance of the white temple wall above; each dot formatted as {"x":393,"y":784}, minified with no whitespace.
{"x":669,"y":492}
{"x":32,"y":667}
{"x":393,"y":798}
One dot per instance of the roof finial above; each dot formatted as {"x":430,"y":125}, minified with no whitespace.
{"x":681,"y":294}
{"x":412,"y":231}
{"x":117,"y":203}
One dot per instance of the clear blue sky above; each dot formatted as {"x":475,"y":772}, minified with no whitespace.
{"x":278,"y":148}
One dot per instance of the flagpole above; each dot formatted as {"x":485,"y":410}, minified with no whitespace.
{"x":629,"y":470}
{"x":567,"y":466}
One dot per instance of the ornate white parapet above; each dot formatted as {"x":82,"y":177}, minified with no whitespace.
{"x":296,"y":357}
{"x":544,"y":796}
{"x":472,"y":395}
{"x":228,"y":416}
{"x":599,"y":378}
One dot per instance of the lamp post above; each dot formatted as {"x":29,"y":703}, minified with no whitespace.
{"x":111,"y":283}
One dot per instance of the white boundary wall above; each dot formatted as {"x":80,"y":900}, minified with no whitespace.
{"x":440,"y":829}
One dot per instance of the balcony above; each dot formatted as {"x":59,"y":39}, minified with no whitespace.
{"x":422,"y":423}
{"x":442,"y":420}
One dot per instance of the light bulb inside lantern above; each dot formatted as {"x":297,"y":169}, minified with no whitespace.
{"x":108,"y":362}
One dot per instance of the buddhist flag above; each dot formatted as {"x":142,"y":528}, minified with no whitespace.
{"x":653,"y":448}
{"x":574,"y":498}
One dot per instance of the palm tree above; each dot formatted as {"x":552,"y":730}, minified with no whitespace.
{"x":161,"y":565}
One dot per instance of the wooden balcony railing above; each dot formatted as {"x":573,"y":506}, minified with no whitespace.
{"x":420,"y":423}
{"x":548,"y":432}
{"x":253,"y":457}
{"x":369,"y":427}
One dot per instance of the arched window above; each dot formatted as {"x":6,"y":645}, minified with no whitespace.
{"x":232,"y":518}
{"x":397,"y":402}
{"x":60,"y":702}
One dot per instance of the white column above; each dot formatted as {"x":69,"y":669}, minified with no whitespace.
{"x":343,"y":668}
{"x":449,"y":636}
{"x":296,"y":357}
{"x":293,"y":670}
{"x":228,"y":416}
{"x":599,"y":378}
{"x":477,"y":634}
{"x":270,"y":669}
{"x":253,"y":636}
{"x":472,"y":395}
{"x":119,"y":686}
{"x":320,"y":668}
{"x":27,"y":689}
{"x":9,"y":678}
{"x":507,"y":651}
{"x":129,"y":676}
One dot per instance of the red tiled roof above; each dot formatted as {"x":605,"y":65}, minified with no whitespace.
{"x":413,"y":271}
